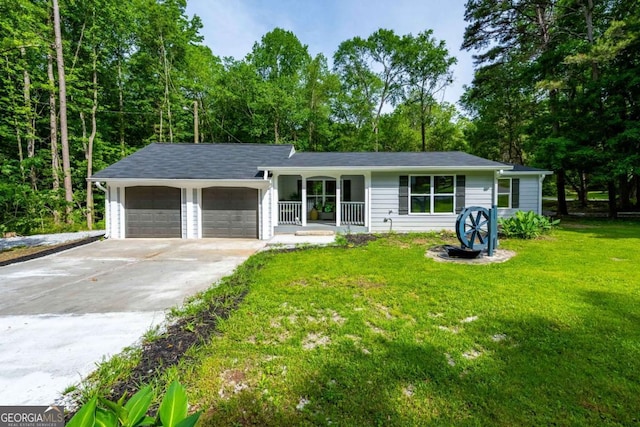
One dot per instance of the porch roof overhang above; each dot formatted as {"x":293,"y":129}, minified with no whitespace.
{"x":514,"y":172}
{"x":351,"y":169}
{"x":443,"y":161}
{"x":519,"y":170}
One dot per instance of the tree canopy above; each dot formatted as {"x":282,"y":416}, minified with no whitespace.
{"x":557,"y":84}
{"x":85,"y":82}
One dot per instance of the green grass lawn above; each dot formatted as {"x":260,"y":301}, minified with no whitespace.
{"x":382,"y":335}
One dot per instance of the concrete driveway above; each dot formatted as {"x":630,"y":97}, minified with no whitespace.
{"x":61,"y":314}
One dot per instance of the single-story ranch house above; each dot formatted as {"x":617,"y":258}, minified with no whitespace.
{"x":196,"y":191}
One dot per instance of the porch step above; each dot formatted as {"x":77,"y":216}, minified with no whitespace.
{"x":315,"y":233}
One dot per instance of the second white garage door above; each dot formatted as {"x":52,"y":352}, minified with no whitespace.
{"x":230,"y":212}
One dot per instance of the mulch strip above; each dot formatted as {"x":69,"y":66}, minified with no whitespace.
{"x":170,"y":347}
{"x":360,"y":239}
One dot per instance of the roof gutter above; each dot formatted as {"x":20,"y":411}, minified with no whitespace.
{"x":532,"y":173}
{"x":100,"y":186}
{"x":188,"y":183}
{"x":386,"y":168}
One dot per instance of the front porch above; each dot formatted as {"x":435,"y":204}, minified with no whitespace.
{"x":320,"y":226}
{"x":338,"y":202}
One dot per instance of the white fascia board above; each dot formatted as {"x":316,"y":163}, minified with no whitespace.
{"x":298,"y":170}
{"x":530,"y":173}
{"x":186,"y":183}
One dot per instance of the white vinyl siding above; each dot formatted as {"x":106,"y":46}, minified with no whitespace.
{"x":479,"y":189}
{"x":385,"y":193}
{"x":529,"y":191}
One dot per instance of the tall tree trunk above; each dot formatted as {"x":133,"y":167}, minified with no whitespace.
{"x":53,"y":132}
{"x":196,"y":136}
{"x":121,"y":106}
{"x":167,"y":101}
{"x":423,"y":131}
{"x":588,"y":16}
{"x":20,"y":153}
{"x":583,"y":192}
{"x":313,"y":144}
{"x":64,"y":135}
{"x":625,"y":193}
{"x":635,"y":189}
{"x":560,"y":173}
{"x":30,"y":119}
{"x":14,"y":108}
{"x":562,"y":195}
{"x":611,"y":188}
{"x":90,"y":141}
{"x":423,"y":124}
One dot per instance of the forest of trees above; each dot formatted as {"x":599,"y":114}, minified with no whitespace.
{"x":85,"y":82}
{"x":558,"y":85}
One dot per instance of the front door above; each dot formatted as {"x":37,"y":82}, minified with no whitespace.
{"x":321,"y":195}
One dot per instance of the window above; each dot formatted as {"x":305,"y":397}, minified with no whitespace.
{"x":504,"y":193}
{"x":321,"y":192}
{"x":432,"y":194}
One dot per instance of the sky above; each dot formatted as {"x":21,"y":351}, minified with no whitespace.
{"x":231,"y":27}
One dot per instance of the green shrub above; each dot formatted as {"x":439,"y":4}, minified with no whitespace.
{"x":526,"y":225}
{"x":172,"y":411}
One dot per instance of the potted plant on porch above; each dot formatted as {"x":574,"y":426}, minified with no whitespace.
{"x":327,"y":212}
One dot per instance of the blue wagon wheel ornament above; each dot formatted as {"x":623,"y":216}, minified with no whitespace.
{"x":472,"y":227}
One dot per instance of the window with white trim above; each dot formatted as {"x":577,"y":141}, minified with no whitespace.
{"x":504,"y":193}
{"x":429,"y":194}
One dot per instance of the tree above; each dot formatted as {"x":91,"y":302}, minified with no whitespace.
{"x":427,"y":66}
{"x":570,"y":53}
{"x":503,"y":111}
{"x":371,"y":71}
{"x":280,"y":61}
{"x":62,"y":92}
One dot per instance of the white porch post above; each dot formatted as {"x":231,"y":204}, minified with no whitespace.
{"x":275,"y":207}
{"x":120,"y":200}
{"x":494,"y":192}
{"x":540,"y":181}
{"x":304,"y":201}
{"x":338,"y":202}
{"x":188,"y":202}
{"x":367,"y":201}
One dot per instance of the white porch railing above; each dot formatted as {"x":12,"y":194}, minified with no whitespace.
{"x":289,"y":212}
{"x":352,"y":213}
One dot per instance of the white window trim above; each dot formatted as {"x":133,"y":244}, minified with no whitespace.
{"x":432,"y":195}
{"x":324,"y":195}
{"x":510,"y":193}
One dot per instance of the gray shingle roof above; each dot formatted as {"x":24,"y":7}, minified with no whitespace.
{"x":196,"y":161}
{"x":449,"y":159}
{"x":245,"y":161}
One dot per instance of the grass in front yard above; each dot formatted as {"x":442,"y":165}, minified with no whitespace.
{"x":382,"y":335}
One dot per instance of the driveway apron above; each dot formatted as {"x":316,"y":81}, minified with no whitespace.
{"x":62,"y":314}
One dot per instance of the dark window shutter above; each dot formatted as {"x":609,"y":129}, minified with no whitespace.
{"x":460,"y":191}
{"x":403,"y":200}
{"x":515,"y":193}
